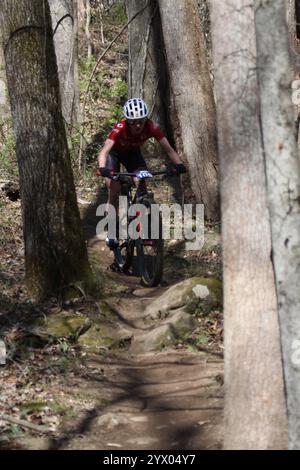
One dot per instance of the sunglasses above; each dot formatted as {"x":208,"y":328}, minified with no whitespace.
{"x":134,"y":122}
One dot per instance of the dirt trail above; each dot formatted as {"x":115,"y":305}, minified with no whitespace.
{"x":156,"y":401}
{"x":169,"y":399}
{"x":159,"y":400}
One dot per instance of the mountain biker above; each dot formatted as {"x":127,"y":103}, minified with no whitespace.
{"x":123,"y":146}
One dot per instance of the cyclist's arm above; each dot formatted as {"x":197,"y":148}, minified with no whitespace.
{"x":174,"y":157}
{"x":102,"y":157}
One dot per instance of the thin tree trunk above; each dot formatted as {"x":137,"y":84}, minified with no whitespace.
{"x":55,"y":251}
{"x":255,"y":408}
{"x":101,"y":9}
{"x":4,"y":105}
{"x":147,"y":68}
{"x":81,"y":13}
{"x":193,"y":97}
{"x":293,"y":14}
{"x":283,"y":185}
{"x":65,"y":29}
{"x":293,"y":19}
{"x":87,"y":29}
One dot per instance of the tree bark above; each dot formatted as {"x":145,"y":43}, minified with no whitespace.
{"x":283,"y":187}
{"x":65,"y":28}
{"x":4,"y":105}
{"x":55,"y":251}
{"x":193,"y":97}
{"x":255,"y":408}
{"x":147,"y":68}
{"x":81,"y":13}
{"x":87,"y":28}
{"x":293,"y":15}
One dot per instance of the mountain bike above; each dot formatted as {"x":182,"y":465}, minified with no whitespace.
{"x":141,"y":255}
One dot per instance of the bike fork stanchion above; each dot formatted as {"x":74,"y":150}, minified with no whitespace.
{"x":140,"y":257}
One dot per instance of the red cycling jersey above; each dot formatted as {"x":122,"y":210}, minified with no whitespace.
{"x":125,"y":141}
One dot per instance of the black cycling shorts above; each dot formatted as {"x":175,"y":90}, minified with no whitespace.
{"x":132,"y":162}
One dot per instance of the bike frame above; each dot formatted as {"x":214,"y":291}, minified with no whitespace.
{"x":124,"y":262}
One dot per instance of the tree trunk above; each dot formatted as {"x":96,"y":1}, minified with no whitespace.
{"x":87,"y":28}
{"x":4,"y":105}
{"x":147,"y":68}
{"x":283,"y":185}
{"x":255,"y":409}
{"x":294,"y":30}
{"x":293,"y":18}
{"x":81,"y":13}
{"x":65,"y":28}
{"x":55,"y":251}
{"x":193,"y":97}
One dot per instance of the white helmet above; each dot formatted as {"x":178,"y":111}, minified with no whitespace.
{"x":135,"y":108}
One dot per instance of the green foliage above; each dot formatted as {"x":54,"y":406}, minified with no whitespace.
{"x":8,"y":162}
{"x":202,"y":339}
{"x":116,"y":113}
{"x":73,"y":137}
{"x":63,"y":410}
{"x":101,"y":86}
{"x":201,"y":310}
{"x":107,"y":91}
{"x":119,"y":89}
{"x":117,"y":15}
{"x":194,"y":341}
{"x":64,"y":346}
{"x":103,"y":108}
{"x":32,"y":406}
{"x":86,"y":67}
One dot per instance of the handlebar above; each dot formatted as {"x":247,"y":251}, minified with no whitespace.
{"x":118,"y":175}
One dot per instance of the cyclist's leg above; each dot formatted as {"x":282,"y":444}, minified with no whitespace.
{"x":114,"y":189}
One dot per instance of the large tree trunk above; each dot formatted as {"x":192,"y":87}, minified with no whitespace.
{"x":283,"y":184}
{"x":55,"y":251}
{"x":65,"y":28}
{"x":255,"y":409}
{"x":193,"y":96}
{"x":147,"y":68}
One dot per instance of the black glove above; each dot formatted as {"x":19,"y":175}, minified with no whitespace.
{"x":179,"y":169}
{"x":105,"y":172}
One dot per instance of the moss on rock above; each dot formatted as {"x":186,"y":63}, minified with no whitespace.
{"x":188,"y":293}
{"x":104,"y":336}
{"x":206,"y":295}
{"x":64,"y":325}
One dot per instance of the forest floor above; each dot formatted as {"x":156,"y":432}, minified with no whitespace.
{"x":119,"y":394}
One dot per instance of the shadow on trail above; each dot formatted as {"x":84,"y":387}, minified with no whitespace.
{"x":171,"y":418}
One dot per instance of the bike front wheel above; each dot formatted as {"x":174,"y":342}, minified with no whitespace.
{"x":124,"y":256}
{"x":150,"y":253}
{"x":150,"y":261}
